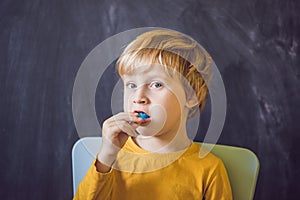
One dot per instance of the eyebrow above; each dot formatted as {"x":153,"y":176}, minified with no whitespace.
{"x":145,"y":79}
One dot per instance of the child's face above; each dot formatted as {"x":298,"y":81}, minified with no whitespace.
{"x":151,"y":90}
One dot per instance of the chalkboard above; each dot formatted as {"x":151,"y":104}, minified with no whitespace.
{"x":255,"y":45}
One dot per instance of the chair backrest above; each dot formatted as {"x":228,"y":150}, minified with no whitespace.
{"x":242,"y":167}
{"x":241,"y":164}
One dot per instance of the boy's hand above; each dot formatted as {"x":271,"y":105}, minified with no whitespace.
{"x":115,"y":132}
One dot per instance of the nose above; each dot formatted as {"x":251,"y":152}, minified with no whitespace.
{"x":140,"y":96}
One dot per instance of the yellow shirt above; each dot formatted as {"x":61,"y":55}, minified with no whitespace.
{"x":141,"y":175}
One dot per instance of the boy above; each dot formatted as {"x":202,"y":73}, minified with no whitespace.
{"x":145,"y":152}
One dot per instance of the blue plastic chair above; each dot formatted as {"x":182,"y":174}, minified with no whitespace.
{"x":241,"y":164}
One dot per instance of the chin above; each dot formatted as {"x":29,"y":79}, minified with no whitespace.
{"x":144,"y":132}
{"x":151,"y":129}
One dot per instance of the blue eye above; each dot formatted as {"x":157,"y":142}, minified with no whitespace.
{"x":131,"y":85}
{"x":156,"y":84}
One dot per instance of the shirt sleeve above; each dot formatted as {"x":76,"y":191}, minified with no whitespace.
{"x":219,"y":185}
{"x":95,"y":185}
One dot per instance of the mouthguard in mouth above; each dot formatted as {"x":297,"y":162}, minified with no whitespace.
{"x":143,"y":115}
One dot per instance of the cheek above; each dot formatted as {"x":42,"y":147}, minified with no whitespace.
{"x":170,"y":105}
{"x":174,"y":110}
{"x":176,"y":98}
{"x":158,"y":115}
{"x":174,"y":104}
{"x":126,"y":100}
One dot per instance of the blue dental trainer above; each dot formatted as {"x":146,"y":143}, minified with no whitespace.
{"x":143,"y":115}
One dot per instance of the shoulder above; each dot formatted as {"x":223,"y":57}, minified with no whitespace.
{"x":209,"y":162}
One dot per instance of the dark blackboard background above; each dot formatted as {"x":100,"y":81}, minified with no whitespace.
{"x":255,"y":45}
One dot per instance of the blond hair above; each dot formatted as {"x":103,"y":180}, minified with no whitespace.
{"x":173,"y":50}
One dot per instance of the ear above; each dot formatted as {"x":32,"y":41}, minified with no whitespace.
{"x":192,"y":102}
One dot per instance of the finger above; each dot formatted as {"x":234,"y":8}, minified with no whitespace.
{"x":126,"y":128}
{"x":116,"y":126}
{"x":126,"y":116}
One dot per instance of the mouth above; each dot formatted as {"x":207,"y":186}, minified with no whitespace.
{"x":142,"y":114}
